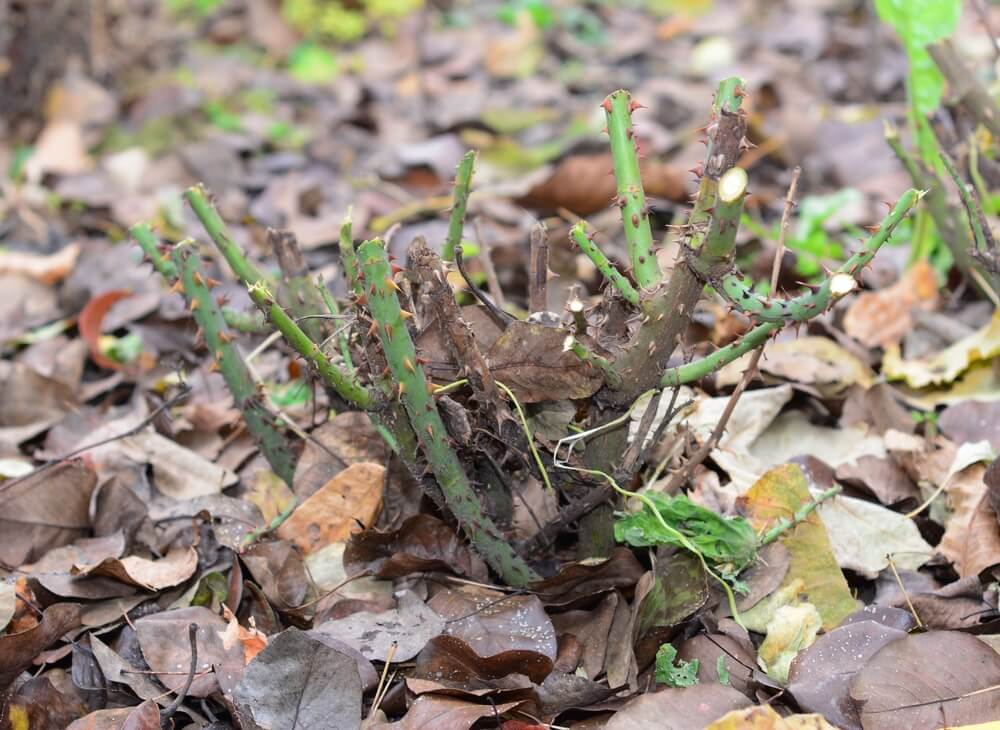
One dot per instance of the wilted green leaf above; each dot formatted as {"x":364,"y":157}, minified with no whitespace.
{"x":728,"y":542}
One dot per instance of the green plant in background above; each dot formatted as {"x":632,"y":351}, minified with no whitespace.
{"x":341,"y":22}
{"x":675,"y":673}
{"x":196,"y":8}
{"x":919,"y":23}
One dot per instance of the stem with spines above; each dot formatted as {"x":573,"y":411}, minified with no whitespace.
{"x":579,"y":236}
{"x":343,"y":382}
{"x":206,"y":312}
{"x":460,"y":201}
{"x":414,"y":391}
{"x":631,"y":198}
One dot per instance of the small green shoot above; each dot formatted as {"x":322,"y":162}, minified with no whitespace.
{"x":679,"y":674}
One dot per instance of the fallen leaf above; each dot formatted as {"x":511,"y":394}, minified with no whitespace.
{"x":163,"y":638}
{"x":45,"y":510}
{"x":820,"y":677}
{"x":17,"y":651}
{"x":177,"y":472}
{"x":763,"y":717}
{"x":408,"y":628}
{"x":664,"y":597}
{"x":345,"y":505}
{"x":907,"y":683}
{"x":433,"y":712}
{"x":808,"y":360}
{"x":863,"y":534}
{"x":529,"y":359}
{"x":151,"y":575}
{"x":47,"y":269}
{"x":581,"y":184}
{"x":299,"y":682}
{"x":680,"y":708}
{"x":145,"y":716}
{"x":972,"y":421}
{"x":884,"y":317}
{"x":972,"y":533}
{"x":779,"y":494}
{"x":347,"y":438}
{"x":116,"y":669}
{"x":492,"y":625}
{"x":792,"y":629}
{"x":59,"y":150}
{"x":421,"y":543}
{"x":581,"y":581}
{"x":8,"y":602}
{"x":946,"y":366}
{"x":91,"y":323}
{"x":450,"y":660}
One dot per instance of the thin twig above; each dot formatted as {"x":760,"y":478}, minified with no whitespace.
{"x":681,"y":475}
{"x":182,"y":694}
{"x":899,"y":582}
{"x":538,"y":279}
{"x":498,"y":315}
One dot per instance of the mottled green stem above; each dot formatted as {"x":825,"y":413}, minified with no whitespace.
{"x":784,"y":524}
{"x":460,"y":201}
{"x":839,"y":283}
{"x":606,"y":367}
{"x":297,"y":291}
{"x":260,"y":423}
{"x":618,"y":108}
{"x":414,"y":391}
{"x":249,"y":322}
{"x":256,"y":283}
{"x":579,"y":236}
{"x":731,"y":192}
{"x":348,"y":258}
{"x":698,"y":369}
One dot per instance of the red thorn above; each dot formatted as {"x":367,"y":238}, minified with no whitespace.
{"x":606,"y":104}
{"x":396,"y":269}
{"x":633,"y":105}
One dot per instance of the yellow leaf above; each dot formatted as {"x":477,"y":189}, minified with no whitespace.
{"x":950,"y":363}
{"x":762,"y":717}
{"x":780,"y":493}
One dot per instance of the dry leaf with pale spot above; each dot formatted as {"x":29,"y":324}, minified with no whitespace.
{"x":346,"y":504}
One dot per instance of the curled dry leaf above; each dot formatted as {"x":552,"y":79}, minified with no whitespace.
{"x":530,"y":359}
{"x":433,"y":712}
{"x":47,"y":269}
{"x":145,"y":716}
{"x":972,"y":533}
{"x":421,"y":543}
{"x":581,"y":582}
{"x":947,"y":365}
{"x":18,"y":650}
{"x":346,"y":504}
{"x":450,"y":660}
{"x":91,"y":321}
{"x":151,"y":575}
{"x":972,"y":421}
{"x":581,"y":183}
{"x":884,"y":317}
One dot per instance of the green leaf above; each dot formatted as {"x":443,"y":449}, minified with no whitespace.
{"x":312,"y":64}
{"x":727,"y":542}
{"x":683,"y":674}
{"x":919,"y":23}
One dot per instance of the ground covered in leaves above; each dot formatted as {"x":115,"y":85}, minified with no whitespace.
{"x":142,"y":582}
